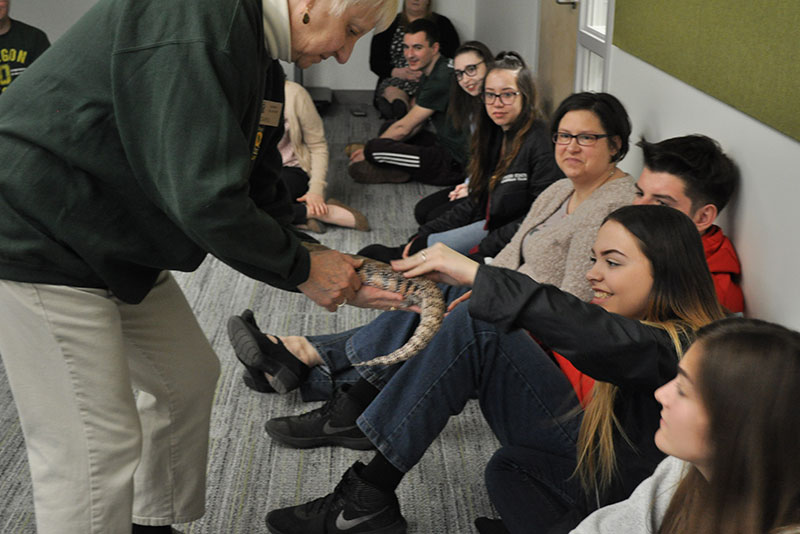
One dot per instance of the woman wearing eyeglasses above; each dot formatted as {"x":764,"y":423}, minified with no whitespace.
{"x":511,"y":164}
{"x":553,"y":246}
{"x":471,"y":63}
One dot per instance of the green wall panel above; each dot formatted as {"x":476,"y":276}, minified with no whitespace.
{"x":745,"y":53}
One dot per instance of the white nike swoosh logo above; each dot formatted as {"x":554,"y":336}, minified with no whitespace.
{"x":347,"y":524}
{"x":328,"y":428}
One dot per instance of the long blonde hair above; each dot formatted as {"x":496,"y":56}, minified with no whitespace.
{"x":682,"y":300}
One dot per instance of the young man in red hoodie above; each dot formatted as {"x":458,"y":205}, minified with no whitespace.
{"x":693,"y":175}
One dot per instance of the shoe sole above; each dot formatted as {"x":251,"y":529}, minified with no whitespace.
{"x":246,"y":349}
{"x":359,"y":444}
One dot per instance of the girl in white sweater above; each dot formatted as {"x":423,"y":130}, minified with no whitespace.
{"x":731,"y":427}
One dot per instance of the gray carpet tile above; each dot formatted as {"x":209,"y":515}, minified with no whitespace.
{"x":248,"y":474}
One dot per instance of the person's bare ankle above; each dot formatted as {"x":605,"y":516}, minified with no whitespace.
{"x":339,"y":216}
{"x":302,"y":349}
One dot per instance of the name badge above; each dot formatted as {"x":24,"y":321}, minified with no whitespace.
{"x":270,"y":113}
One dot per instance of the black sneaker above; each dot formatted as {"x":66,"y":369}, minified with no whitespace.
{"x":144,"y":529}
{"x":260,"y":355}
{"x":334,"y":423}
{"x":354,"y":507}
{"x":490,"y":526}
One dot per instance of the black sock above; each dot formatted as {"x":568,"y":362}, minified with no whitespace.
{"x":382,"y":474}
{"x":363,"y":392}
{"x":143,"y":529}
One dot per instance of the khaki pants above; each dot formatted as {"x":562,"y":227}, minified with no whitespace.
{"x":101,"y":458}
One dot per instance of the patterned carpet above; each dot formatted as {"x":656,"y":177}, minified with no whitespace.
{"x":248,"y":474}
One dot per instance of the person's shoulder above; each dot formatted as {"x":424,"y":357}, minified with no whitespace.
{"x":389,"y":30}
{"x":18,"y":25}
{"x":539,"y":130}
{"x":443,"y":69}
{"x":294,"y":88}
{"x":440,"y":19}
{"x":623,"y":188}
{"x":558,"y":190}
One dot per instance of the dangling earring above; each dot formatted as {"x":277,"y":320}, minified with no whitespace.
{"x":306,"y":17}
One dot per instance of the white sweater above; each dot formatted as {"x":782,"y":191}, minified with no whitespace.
{"x":643,"y":511}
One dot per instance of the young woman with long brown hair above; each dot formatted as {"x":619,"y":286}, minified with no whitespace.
{"x":511,"y":163}
{"x":729,"y":422}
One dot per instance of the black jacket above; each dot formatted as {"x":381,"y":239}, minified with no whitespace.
{"x":531,"y":172}
{"x":608,"y":347}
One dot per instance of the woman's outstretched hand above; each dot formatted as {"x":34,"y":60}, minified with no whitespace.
{"x":439,"y":263}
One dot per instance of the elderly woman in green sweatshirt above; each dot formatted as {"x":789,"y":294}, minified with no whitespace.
{"x":127,"y":151}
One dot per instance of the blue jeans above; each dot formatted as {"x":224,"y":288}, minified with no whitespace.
{"x":523,"y":394}
{"x":389,"y":331}
{"x":461,"y":239}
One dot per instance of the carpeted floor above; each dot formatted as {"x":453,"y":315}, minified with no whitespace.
{"x":248,"y":474}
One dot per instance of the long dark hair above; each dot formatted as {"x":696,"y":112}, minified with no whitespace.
{"x":463,"y":108}
{"x":682,"y":300}
{"x":749,"y":382}
{"x":484,"y":169}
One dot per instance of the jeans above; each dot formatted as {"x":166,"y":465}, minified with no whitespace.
{"x":523,"y":394}
{"x":463,"y":238}
{"x":389,"y":331}
{"x":533,"y":490}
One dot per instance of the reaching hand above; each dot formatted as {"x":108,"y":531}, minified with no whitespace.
{"x":332,"y":279}
{"x":460,"y":191}
{"x":439,"y":263}
{"x":380,"y":299}
{"x":315,"y":205}
{"x":357,"y":155}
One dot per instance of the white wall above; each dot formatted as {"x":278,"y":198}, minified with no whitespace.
{"x":52,"y":17}
{"x":355,"y":74}
{"x":763,"y":220}
{"x":510,"y":25}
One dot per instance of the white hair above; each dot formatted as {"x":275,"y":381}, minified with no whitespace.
{"x":385,"y":9}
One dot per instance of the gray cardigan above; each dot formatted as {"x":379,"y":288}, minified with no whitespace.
{"x":643,"y":511}
{"x":560,"y":254}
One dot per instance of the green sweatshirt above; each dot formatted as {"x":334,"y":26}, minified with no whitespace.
{"x":129,"y":146}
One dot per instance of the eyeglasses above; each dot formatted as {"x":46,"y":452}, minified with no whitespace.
{"x":506,"y":98}
{"x":469,"y":70}
{"x":584,"y":139}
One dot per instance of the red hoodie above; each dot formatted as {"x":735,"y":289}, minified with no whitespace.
{"x":725,"y":270}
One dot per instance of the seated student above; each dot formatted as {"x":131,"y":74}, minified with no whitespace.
{"x":692,"y":174}
{"x":512,"y":163}
{"x":471,"y":63}
{"x":652,"y":290}
{"x":405,"y":150}
{"x":20,"y":44}
{"x":304,"y":152}
{"x":552,"y":245}
{"x":731,"y":425}
{"x":397,"y":83}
